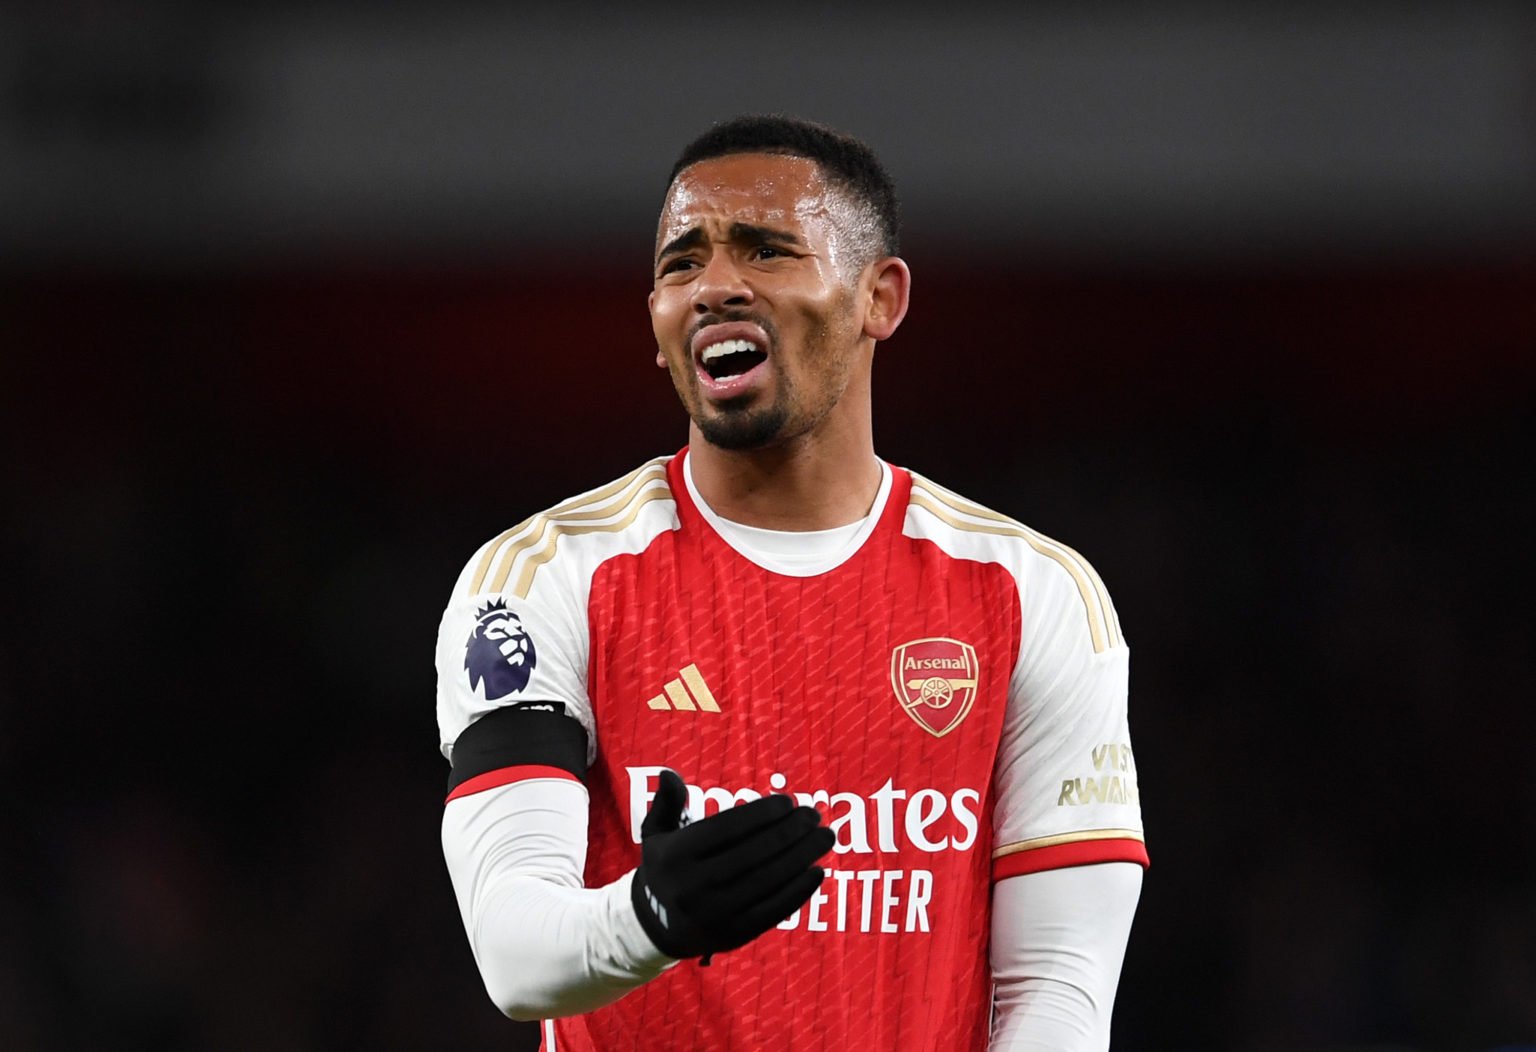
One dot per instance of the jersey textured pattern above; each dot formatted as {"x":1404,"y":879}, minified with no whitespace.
{"x":951,"y":696}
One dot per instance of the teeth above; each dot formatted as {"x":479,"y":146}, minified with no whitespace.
{"x":725,"y":347}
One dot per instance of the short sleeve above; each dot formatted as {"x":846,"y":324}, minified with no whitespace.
{"x":497,"y":649}
{"x":1065,"y":782}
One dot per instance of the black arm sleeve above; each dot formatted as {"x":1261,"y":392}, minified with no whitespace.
{"x":530,"y":732}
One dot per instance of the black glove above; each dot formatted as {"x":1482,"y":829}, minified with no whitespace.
{"x":722,"y":881}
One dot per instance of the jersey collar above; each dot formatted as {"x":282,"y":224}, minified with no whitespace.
{"x":790,"y":553}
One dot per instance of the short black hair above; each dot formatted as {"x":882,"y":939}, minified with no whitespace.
{"x":844,"y":161}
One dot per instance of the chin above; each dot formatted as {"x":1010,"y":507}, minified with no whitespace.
{"x":743,"y":430}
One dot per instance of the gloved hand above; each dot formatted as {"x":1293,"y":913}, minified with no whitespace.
{"x":722,"y":881}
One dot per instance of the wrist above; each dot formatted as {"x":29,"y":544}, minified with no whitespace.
{"x":630,"y":935}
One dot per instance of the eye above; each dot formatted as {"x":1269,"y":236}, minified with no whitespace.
{"x":767,"y":252}
{"x":675,"y":266}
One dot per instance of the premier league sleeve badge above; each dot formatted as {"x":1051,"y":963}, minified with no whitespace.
{"x":499,"y":652}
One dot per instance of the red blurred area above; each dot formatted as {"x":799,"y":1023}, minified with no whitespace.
{"x":426,"y":363}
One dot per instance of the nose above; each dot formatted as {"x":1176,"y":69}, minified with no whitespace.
{"x":720,"y":284}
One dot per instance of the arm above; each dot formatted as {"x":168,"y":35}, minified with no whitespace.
{"x":1058,"y":939}
{"x":1069,"y":849}
{"x":545,"y":945}
{"x":517,"y":725}
{"x":514,"y":837}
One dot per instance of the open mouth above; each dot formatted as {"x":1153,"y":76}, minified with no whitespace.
{"x":728,"y":358}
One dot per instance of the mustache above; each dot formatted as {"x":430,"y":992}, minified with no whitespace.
{"x":722,"y":317}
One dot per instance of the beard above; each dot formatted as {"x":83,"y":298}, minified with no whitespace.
{"x":744,"y":429}
{"x":738,"y":425}
{"x":735,"y":425}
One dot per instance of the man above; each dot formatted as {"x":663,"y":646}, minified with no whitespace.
{"x":896,"y":719}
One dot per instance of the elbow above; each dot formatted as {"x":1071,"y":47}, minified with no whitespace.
{"x":513,"y":1003}
{"x":519,"y":1013}
{"x":513,"y":994}
{"x":517,"y":1006}
{"x":527,"y":984}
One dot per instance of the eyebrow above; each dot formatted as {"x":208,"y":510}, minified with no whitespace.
{"x":747,"y":233}
{"x":691,"y":239}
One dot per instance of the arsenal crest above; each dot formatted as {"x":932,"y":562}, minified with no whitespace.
{"x":935,"y":681}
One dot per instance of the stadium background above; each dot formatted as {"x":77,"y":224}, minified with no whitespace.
{"x":296,"y":310}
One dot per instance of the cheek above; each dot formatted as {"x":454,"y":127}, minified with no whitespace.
{"x":829,"y":328}
{"x":665,"y":312}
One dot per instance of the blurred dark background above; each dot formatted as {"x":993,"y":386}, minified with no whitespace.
{"x":297,"y":310}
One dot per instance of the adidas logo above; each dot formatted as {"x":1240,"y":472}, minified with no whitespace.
{"x":687,"y":693}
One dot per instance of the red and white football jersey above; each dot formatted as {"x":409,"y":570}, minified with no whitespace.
{"x":949,"y":689}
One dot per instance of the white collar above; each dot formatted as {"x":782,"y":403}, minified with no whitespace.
{"x":794,"y":553}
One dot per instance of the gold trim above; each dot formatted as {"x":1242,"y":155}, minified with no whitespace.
{"x":960,"y":504}
{"x":490,"y":555}
{"x":585,"y":512}
{"x":1039,"y":842}
{"x":700,"y":689}
{"x":571,"y":504}
{"x":1095,"y":600}
{"x":659,"y":702}
{"x":679,"y":695}
{"x":559,"y":529}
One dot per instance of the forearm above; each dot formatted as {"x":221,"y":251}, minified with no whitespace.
{"x":1058,"y":940}
{"x":545,"y":945}
{"x":546,"y":951}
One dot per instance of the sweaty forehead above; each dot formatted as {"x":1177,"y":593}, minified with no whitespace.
{"x":760,"y":188}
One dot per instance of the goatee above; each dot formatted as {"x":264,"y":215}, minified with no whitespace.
{"x":745,"y":430}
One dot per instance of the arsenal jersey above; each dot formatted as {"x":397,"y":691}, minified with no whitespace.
{"x":949,"y":690}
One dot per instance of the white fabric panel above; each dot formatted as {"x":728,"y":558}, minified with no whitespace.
{"x":1058,"y":940}
{"x":554,"y":612}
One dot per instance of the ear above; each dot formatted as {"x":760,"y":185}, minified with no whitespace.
{"x":650,"y":306}
{"x":889,"y":286}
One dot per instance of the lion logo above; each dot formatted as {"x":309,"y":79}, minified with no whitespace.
{"x":500,"y":652}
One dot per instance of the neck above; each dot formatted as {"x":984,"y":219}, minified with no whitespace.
{"x":817,"y":481}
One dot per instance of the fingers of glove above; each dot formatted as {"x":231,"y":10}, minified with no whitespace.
{"x":755,"y":920}
{"x":666,"y":812}
{"x":719,"y":832}
{"x":719,"y":900}
{"x":796,"y":836}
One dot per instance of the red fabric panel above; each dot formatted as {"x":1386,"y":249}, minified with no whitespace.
{"x":1080,"y":853}
{"x":505,"y":775}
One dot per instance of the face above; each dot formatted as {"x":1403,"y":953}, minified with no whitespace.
{"x":757,"y":299}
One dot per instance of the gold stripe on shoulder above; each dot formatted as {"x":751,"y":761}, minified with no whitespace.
{"x":947,"y":508}
{"x":579,"y":513}
{"x":960,"y":504}
{"x":1036,"y":843}
{"x":560,"y":529}
{"x":552,"y":525}
{"x":585,"y":511}
{"x":1107,"y":606}
{"x":490,"y":554}
{"x":571,"y":504}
